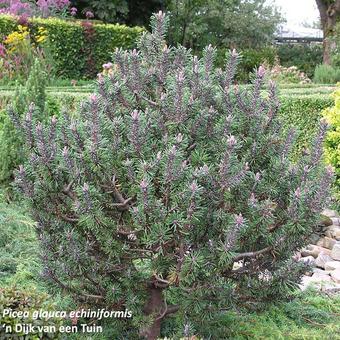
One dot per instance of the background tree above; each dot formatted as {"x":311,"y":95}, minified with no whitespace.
{"x":131,"y":12}
{"x":329,"y":14}
{"x":196,"y":23}
{"x":105,"y":10}
{"x":172,"y":190}
{"x":140,"y":11}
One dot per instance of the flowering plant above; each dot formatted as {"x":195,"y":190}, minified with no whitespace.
{"x":16,"y":7}
{"x":287,"y":75}
{"x":16,"y":55}
{"x":43,"y":8}
{"x":49,"y":8}
{"x":18,"y":51}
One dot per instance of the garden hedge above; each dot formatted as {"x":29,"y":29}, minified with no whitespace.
{"x":332,"y":145}
{"x":303,"y":112}
{"x":78,"y":48}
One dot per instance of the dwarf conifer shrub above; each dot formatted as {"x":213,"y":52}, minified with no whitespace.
{"x":11,"y":151}
{"x":171,"y":190}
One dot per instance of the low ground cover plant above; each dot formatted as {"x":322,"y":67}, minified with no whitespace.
{"x":171,"y":191}
{"x":25,"y":302}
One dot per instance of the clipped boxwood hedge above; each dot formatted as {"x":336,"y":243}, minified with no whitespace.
{"x":303,"y":112}
{"x":332,"y":145}
{"x":78,"y":48}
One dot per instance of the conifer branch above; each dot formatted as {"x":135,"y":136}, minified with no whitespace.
{"x":252,"y":254}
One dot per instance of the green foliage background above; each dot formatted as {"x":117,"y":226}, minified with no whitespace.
{"x":332,"y":145}
{"x":251,"y":59}
{"x":68,"y":43}
{"x":303,"y":113}
{"x":304,"y":57}
{"x":326,"y":74}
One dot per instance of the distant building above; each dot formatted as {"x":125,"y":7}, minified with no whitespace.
{"x":298,"y":34}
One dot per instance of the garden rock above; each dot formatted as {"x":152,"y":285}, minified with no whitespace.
{"x":333,"y":231}
{"x":323,"y":254}
{"x":336,"y":221}
{"x":326,"y":242}
{"x":325,"y":221}
{"x":335,"y":254}
{"x":318,"y":280}
{"x":335,"y":274}
{"x":313,"y":250}
{"x":332,"y":265}
{"x":330,"y":213}
{"x":322,"y":259}
{"x":308,"y":260}
{"x":321,"y":276}
{"x":337,"y":235}
{"x":297,"y":256}
{"x":313,"y":239}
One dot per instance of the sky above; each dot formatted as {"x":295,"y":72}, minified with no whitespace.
{"x":297,"y":12}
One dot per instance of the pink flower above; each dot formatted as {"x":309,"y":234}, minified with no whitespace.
{"x":231,"y":141}
{"x":297,"y":193}
{"x":107,"y":66}
{"x":89,"y":14}
{"x":73,"y":11}
{"x":239,"y":220}
{"x":2,"y":51}
{"x":261,"y":71}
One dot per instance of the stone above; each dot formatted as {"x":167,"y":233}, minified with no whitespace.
{"x":312,"y":250}
{"x":325,"y":221}
{"x":335,"y":274}
{"x":306,"y":281}
{"x":330,"y":286}
{"x":314,"y":238}
{"x":333,"y":231}
{"x":332,"y":265}
{"x":326,"y":242}
{"x":322,"y":259}
{"x":310,"y":260}
{"x":320,"y":281}
{"x":336,"y":221}
{"x":319,"y":276}
{"x":337,"y":235}
{"x":319,"y":270}
{"x":335,"y":254}
{"x":330,"y":213}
